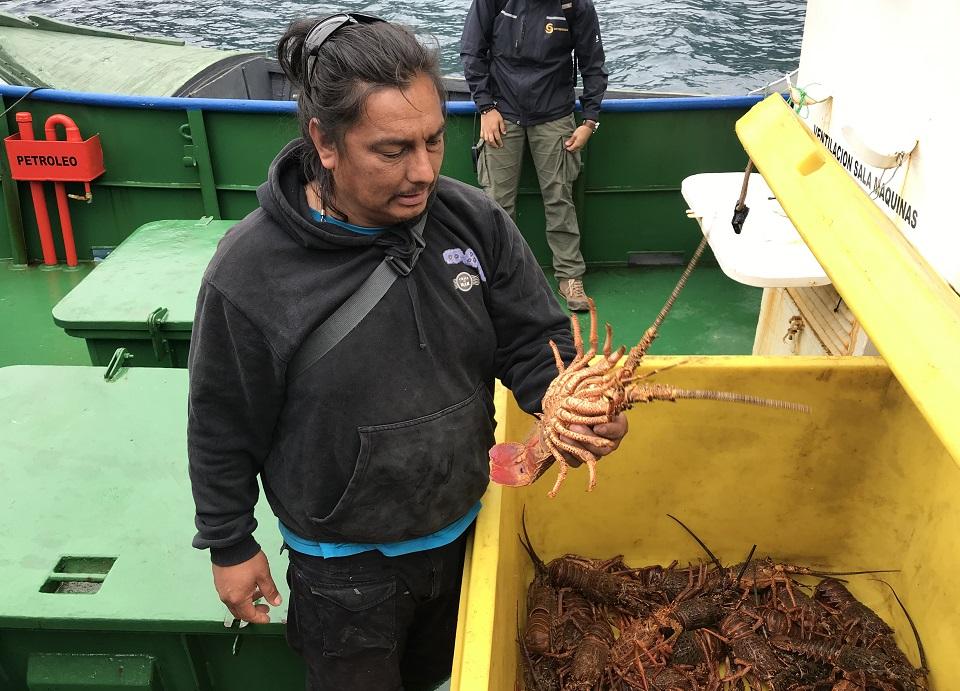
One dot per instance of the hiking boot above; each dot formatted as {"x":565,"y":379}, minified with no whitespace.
{"x":572,"y":290}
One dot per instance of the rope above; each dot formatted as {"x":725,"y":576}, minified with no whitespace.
{"x":740,"y":210}
{"x":743,"y":188}
{"x":25,"y":96}
{"x":800,"y":103}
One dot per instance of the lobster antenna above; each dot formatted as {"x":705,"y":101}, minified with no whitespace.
{"x":743,"y":569}
{"x":680,"y":284}
{"x":853,"y":573}
{"x":528,"y":544}
{"x":647,"y":375}
{"x":639,"y":350}
{"x":916,"y":634}
{"x":706,"y":549}
{"x":731,"y":397}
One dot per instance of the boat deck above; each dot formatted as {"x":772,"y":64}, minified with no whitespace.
{"x":97,"y":528}
{"x":713,"y":316}
{"x":28,"y":335}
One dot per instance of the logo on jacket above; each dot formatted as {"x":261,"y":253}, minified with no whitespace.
{"x":465,"y":281}
{"x":550,"y":28}
{"x":455,"y":255}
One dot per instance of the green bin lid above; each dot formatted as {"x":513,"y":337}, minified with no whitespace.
{"x":94,"y":471}
{"x":159,"y":265}
{"x":38,"y":51}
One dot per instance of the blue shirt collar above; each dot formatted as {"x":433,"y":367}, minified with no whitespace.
{"x":361,"y":230}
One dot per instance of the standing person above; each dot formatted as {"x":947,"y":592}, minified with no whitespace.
{"x":517,"y":62}
{"x":371,"y":442}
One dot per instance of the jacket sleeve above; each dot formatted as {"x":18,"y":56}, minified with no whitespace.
{"x":590,"y":58}
{"x":236,"y":392}
{"x":475,"y":46}
{"x":526,"y":317}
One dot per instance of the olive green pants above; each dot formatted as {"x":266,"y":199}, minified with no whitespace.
{"x":498,"y":172}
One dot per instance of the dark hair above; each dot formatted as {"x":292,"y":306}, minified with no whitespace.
{"x":356,"y":61}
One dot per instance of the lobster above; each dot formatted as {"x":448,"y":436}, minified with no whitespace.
{"x":861,"y":623}
{"x":574,"y":616}
{"x":593,"y":583}
{"x":591,"y":657}
{"x":749,"y":649}
{"x":856,"y":663}
{"x":540,"y":633}
{"x":540,"y":672}
{"x":639,"y":642}
{"x":673,"y":582}
{"x":593,"y":394}
{"x":694,"y":648}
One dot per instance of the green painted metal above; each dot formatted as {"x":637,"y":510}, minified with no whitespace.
{"x":158,"y":267}
{"x":66,"y":56}
{"x":157,"y":272}
{"x":184,"y":662}
{"x":156,"y":600}
{"x":629,"y":194}
{"x":12,"y":242}
{"x":60,"y":672}
{"x":7,"y":19}
{"x":200,"y":157}
{"x":27,"y":332}
{"x":118,"y":364}
{"x":13,"y":71}
{"x":133,"y":153}
{"x":714,"y":314}
{"x":37,"y":22}
{"x":48,"y":24}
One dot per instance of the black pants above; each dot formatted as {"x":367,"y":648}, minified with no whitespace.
{"x":374,"y":623}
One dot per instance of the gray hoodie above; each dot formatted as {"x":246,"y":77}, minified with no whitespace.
{"x":386,"y":437}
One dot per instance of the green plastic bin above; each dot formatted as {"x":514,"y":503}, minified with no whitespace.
{"x":143,"y":295}
{"x":102,"y":588}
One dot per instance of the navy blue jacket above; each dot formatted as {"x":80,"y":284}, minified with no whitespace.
{"x":517,"y":55}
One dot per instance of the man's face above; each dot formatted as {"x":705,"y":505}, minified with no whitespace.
{"x":390,"y":159}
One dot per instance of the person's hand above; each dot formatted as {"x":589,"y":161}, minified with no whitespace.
{"x":492,"y":127}
{"x":240,"y":585}
{"x":614,"y":431}
{"x":579,"y":138}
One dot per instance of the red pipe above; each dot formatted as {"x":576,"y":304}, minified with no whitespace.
{"x":66,"y":225}
{"x":25,"y":127}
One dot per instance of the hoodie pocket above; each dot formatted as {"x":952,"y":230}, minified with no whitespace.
{"x":415,"y":477}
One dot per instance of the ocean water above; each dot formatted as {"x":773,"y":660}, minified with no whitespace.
{"x":692,"y":46}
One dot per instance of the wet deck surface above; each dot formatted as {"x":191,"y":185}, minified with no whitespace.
{"x":713,"y":316}
{"x":28,"y":335}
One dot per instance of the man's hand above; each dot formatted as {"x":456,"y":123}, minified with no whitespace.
{"x":239,"y":585}
{"x":578,"y":140}
{"x":614,"y":431}
{"x":492,"y":127}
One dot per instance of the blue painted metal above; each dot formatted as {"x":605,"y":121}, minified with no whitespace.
{"x":151,"y":102}
{"x":613,"y":105}
{"x":645,"y":105}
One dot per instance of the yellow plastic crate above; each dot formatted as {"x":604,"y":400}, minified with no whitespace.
{"x":859,"y":483}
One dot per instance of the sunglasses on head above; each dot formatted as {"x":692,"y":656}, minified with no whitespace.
{"x":326,"y":28}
